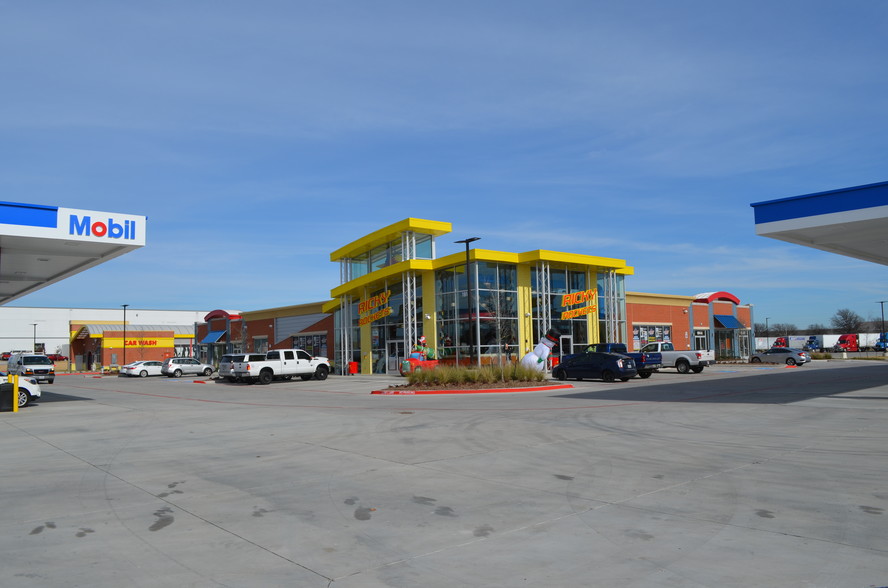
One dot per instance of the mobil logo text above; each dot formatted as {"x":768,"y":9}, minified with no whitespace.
{"x":84,"y":226}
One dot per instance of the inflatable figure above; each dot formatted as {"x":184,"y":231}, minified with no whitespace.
{"x":421,"y":357}
{"x":536,"y":359}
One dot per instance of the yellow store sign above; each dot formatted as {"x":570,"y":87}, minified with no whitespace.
{"x":139,"y":342}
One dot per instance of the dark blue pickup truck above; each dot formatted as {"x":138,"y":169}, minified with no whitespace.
{"x":645,"y":363}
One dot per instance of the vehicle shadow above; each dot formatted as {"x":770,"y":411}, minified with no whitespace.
{"x":772,"y":387}
{"x":47,"y":397}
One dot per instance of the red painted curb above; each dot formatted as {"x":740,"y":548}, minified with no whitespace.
{"x":490,"y":391}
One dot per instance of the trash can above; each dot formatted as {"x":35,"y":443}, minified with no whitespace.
{"x":6,"y":397}
{"x":352,"y":368}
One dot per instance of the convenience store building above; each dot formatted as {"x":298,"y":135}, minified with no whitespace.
{"x":394,"y":289}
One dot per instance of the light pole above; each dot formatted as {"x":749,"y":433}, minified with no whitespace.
{"x":469,"y":292}
{"x":34,"y":346}
{"x":124,"y":333}
{"x":882,"y":332}
{"x":767,"y":339}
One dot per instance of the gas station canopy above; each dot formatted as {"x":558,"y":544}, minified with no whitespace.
{"x":850,"y":221}
{"x":41,"y":245}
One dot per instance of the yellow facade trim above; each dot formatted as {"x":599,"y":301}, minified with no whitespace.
{"x":391,"y":233}
{"x":658,"y":299}
{"x":296,"y":309}
{"x":571,"y":260}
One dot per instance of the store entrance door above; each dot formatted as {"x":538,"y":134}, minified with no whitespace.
{"x":396,"y":353}
{"x":565,"y":347}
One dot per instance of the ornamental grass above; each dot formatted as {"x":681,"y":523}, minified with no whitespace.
{"x":488,"y":375}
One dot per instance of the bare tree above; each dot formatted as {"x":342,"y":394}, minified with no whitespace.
{"x":784,"y":329}
{"x":816,"y":329}
{"x":846,"y":321}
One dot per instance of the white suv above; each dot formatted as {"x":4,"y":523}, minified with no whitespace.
{"x":28,"y":390}
{"x":35,"y":366}
{"x":175,"y":367}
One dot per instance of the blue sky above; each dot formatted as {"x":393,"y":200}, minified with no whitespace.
{"x":257,"y":137}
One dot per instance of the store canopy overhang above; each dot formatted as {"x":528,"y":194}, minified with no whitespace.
{"x":851,"y":221}
{"x":41,"y":245}
{"x":727,"y":321}
{"x":212,"y":337}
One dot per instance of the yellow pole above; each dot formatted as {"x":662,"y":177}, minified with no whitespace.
{"x":15,"y":393}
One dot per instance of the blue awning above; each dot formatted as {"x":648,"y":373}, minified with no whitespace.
{"x":212,"y":337}
{"x":727,"y":321}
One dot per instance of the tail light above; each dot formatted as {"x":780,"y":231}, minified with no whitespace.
{"x":619,"y":363}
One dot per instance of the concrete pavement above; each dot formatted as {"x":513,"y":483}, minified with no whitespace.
{"x":739,"y":476}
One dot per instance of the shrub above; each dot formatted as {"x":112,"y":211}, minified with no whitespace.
{"x":487,"y":375}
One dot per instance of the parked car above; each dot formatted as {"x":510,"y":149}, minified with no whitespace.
{"x":787,"y":355}
{"x":176,"y":367}
{"x":57,"y":357}
{"x":143,"y":369}
{"x":32,"y":365}
{"x":5,"y":355}
{"x":226,"y":364}
{"x":607,"y":366}
{"x":29,"y":389}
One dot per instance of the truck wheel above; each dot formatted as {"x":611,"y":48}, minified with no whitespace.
{"x":266,"y":376}
{"x":624,"y":379}
{"x":644,"y":375}
{"x":697,"y":369}
{"x":321,"y":373}
{"x":306,"y":377}
{"x":683,"y":367}
{"x":23,"y":397}
{"x":608,"y":376}
{"x":232,"y":379}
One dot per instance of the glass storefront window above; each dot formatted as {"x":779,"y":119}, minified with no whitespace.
{"x":424,"y":247}
{"x":508,"y":278}
{"x":487,"y":276}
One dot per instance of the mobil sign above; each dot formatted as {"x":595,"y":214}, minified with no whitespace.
{"x":125,"y":229}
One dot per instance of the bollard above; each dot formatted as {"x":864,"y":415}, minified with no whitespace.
{"x":8,"y":398}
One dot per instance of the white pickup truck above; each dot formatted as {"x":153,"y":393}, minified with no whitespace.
{"x":282,"y":364}
{"x":683,"y":361}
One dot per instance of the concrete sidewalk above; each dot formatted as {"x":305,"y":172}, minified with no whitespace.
{"x":739,"y":476}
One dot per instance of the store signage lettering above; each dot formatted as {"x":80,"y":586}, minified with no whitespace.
{"x":141,"y":343}
{"x":85,"y":227}
{"x":374,"y":302}
{"x":375,"y":316}
{"x":583,"y":297}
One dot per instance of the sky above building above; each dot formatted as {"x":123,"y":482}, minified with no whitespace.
{"x":258,"y":137}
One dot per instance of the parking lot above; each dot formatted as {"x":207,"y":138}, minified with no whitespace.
{"x":739,"y":476}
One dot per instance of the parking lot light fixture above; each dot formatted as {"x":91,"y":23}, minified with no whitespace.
{"x":469,"y":292}
{"x":124,"y":333}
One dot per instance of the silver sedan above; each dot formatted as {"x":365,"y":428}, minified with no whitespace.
{"x":786,"y":355}
{"x":142,"y":369}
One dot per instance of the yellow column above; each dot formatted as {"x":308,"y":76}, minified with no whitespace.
{"x":366,"y":350}
{"x":15,"y":393}
{"x":525,"y":318}
{"x":429,"y":325}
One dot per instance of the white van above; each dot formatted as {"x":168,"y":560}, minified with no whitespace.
{"x":32,"y":365}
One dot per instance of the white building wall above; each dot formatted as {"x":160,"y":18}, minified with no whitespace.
{"x":17,"y":323}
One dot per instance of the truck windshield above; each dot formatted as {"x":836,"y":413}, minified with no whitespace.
{"x":37,"y":360}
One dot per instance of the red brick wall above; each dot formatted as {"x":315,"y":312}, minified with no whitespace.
{"x":658,"y":314}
